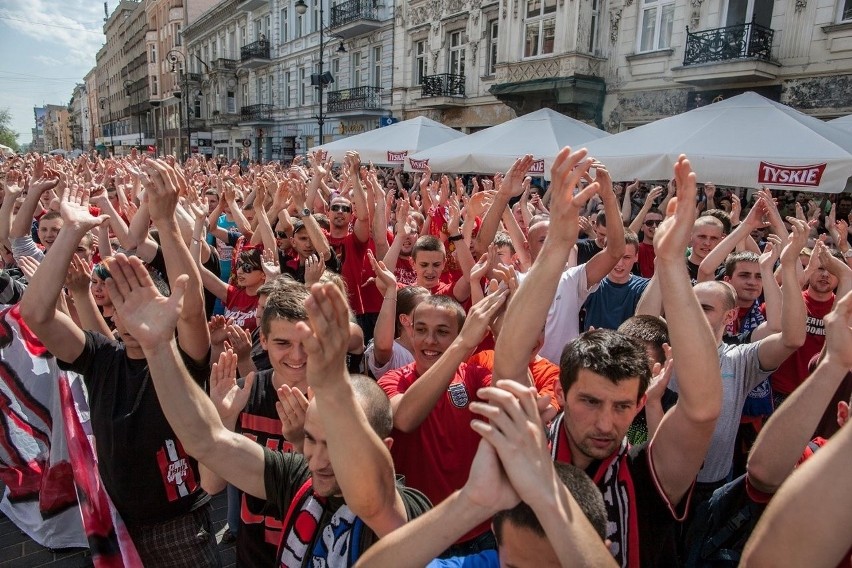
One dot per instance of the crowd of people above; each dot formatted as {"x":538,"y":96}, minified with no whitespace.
{"x":394,"y":369}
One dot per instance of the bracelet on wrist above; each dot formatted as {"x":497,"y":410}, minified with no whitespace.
{"x":454,"y":238}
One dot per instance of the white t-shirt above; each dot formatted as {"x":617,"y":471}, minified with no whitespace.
{"x":563,"y":318}
{"x":400,"y":357}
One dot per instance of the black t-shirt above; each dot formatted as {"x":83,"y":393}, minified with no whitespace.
{"x":284,"y":474}
{"x":158,"y":264}
{"x":260,"y":531}
{"x":586,"y":249}
{"x":144,"y":468}
{"x":259,"y":355}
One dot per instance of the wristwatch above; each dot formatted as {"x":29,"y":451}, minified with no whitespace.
{"x":305,"y":212}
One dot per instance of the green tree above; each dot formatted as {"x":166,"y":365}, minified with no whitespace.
{"x":8,"y":137}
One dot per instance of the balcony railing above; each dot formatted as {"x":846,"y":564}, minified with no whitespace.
{"x":193,"y":77}
{"x":224,"y":119}
{"x":255,"y":50}
{"x":443,"y":85}
{"x":256,"y":112}
{"x":359,"y":98}
{"x":743,"y":41}
{"x":222,"y":64}
{"x":353,"y":10}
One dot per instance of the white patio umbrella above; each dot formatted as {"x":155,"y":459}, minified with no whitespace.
{"x":745,"y":141}
{"x":542,"y":133}
{"x":844,"y":122}
{"x":390,"y":145}
{"x":5,"y":150}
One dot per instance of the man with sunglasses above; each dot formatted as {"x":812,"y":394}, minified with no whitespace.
{"x":645,"y":252}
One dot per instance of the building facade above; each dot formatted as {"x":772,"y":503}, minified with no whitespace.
{"x":265,"y":88}
{"x":78,"y":118}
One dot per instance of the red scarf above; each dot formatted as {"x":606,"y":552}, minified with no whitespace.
{"x":613,"y":479}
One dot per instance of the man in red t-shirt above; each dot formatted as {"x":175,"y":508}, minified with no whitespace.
{"x":430,"y":258}
{"x":819,"y":299}
{"x":433,"y":443}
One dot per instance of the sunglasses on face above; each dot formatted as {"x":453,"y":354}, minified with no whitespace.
{"x":652,"y":222}
{"x":247,"y":268}
{"x":281,"y":234}
{"x":341,"y":208}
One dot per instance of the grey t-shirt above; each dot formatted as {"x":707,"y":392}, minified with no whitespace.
{"x":741,"y":372}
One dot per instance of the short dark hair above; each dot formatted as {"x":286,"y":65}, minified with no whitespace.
{"x":375,"y":403}
{"x":277,"y":284}
{"x":582,"y":489}
{"x":502,"y":239}
{"x":428,"y":243}
{"x":407,"y":298}
{"x":651,"y":330}
{"x":49,"y":216}
{"x":631,"y":238}
{"x":608,"y":353}
{"x":600,"y":220}
{"x":736,"y":257}
{"x":287,"y":304}
{"x":251,"y":256}
{"x":722,"y":216}
{"x":447,"y":303}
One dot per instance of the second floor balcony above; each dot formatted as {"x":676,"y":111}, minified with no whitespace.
{"x":353,"y":18}
{"x":255,"y":54}
{"x":443,"y":85}
{"x":743,"y":41}
{"x":738,"y":53}
{"x":256,"y":113}
{"x":359,"y":98}
{"x":222,"y":119}
{"x":223,"y":65}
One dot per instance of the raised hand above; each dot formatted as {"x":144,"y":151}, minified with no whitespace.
{"x":513,"y":184}
{"x":567,"y":171}
{"x":325,"y":336}
{"x":385,"y":279}
{"x":674,"y":232}
{"x":239,"y":340}
{"x":291,"y":408}
{"x":161,"y":190}
{"x":314,"y":267}
{"x":225,"y":392}
{"x":269,"y":264}
{"x":838,"y":332}
{"x":79,"y":275}
{"x":480,"y":317}
{"x":147,"y":315}
{"x":74,"y":210}
{"x":28,"y":266}
{"x":771,"y":252}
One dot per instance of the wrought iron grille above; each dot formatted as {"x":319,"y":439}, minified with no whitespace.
{"x":256,"y":112}
{"x":743,"y":41}
{"x":222,"y":64}
{"x":442,"y":85}
{"x":359,"y":98}
{"x":352,"y":10}
{"x":255,"y":50}
{"x":224,"y":119}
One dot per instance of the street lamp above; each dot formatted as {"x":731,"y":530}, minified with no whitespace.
{"x":83,"y":143}
{"x":320,"y":80}
{"x":174,"y":56}
{"x":104,"y":101}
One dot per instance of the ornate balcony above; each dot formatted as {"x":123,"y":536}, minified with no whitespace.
{"x":443,"y":85}
{"x":354,"y":17}
{"x":255,"y":54}
{"x":733,"y":54}
{"x":222,"y":119}
{"x":743,"y":41}
{"x":256,"y":113}
{"x":222,"y":64}
{"x":359,"y":98}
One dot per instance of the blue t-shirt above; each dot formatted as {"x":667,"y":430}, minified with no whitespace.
{"x":611,"y":304}
{"x":484,"y":559}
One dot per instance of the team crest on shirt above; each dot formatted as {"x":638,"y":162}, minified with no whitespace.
{"x":458,"y":395}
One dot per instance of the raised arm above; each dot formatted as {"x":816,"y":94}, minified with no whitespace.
{"x":152,"y":319}
{"x":599,"y":265}
{"x":527,"y":311}
{"x":781,"y":441}
{"x":754,"y":220}
{"x":800,"y":525}
{"x":161,"y":193}
{"x":361,"y":227}
{"x":384,"y":332}
{"x":680,"y":444}
{"x":771,"y":289}
{"x":512,"y":186}
{"x":412,"y":407}
{"x":361,"y":461}
{"x":636,"y":223}
{"x":38,"y":307}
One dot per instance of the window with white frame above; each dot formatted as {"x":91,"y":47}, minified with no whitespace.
{"x":299,"y":25}
{"x":231,"y":102}
{"x":539,"y":27}
{"x":356,"y":69}
{"x":655,"y":30}
{"x":285,"y":31}
{"x":335,"y":70}
{"x":155,"y":84}
{"x":267,"y":26}
{"x":231,"y":48}
{"x":455,"y":62}
{"x":270,"y":90}
{"x":178,"y":38}
{"x":315,"y":21}
{"x":302,"y":87}
{"x":377,"y":66}
{"x":845,"y":14}
{"x":259,"y":89}
{"x":243,"y":38}
{"x":419,"y":61}
{"x":152,"y":53}
{"x":491,"y":58}
{"x":215,"y":48}
{"x":245,"y":96}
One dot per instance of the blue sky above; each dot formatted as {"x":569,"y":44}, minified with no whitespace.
{"x":47,"y":47}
